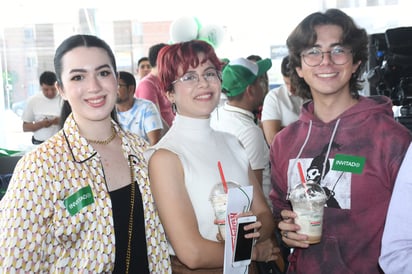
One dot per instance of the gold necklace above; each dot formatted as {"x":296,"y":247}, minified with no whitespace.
{"x":104,"y":142}
{"x":130,"y":228}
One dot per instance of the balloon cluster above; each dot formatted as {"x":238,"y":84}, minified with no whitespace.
{"x":188,"y":28}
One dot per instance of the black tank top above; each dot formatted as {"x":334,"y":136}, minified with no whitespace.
{"x":121,"y":215}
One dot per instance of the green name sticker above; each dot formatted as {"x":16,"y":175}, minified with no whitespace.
{"x":348,"y":163}
{"x":79,"y":200}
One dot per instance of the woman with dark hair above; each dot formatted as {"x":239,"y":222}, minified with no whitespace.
{"x":81,"y":201}
{"x":349,"y":144}
{"x":183,"y":167}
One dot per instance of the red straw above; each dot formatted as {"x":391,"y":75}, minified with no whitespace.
{"x":222,"y":176}
{"x":302,"y":176}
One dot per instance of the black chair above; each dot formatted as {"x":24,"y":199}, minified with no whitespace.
{"x":7,"y":164}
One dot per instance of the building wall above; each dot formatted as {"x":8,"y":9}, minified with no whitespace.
{"x":29,"y":50}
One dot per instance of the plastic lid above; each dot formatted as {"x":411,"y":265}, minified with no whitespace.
{"x":218,"y":189}
{"x":311,"y":191}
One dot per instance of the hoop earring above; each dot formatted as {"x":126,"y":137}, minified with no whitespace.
{"x":174,"y":108}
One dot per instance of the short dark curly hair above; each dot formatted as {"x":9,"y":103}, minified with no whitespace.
{"x":285,"y":67}
{"x":304,"y":36}
{"x":47,"y":78}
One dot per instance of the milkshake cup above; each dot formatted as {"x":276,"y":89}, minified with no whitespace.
{"x":218,"y":199}
{"x":308,"y":202}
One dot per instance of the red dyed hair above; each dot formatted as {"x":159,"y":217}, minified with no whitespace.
{"x":181,"y":56}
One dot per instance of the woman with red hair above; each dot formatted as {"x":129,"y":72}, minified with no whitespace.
{"x":183,"y":164}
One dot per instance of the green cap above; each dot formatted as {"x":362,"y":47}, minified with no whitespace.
{"x":241,"y":72}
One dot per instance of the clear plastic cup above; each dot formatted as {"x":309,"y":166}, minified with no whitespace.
{"x":218,"y":199}
{"x":308,"y":202}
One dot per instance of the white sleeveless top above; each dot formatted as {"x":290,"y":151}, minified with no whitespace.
{"x":199,"y":149}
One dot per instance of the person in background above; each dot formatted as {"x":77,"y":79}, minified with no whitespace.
{"x":41,"y":114}
{"x":143,"y":67}
{"x":244,"y":83}
{"x":81,"y":202}
{"x":396,"y":250}
{"x":258,"y":112}
{"x":255,"y":58}
{"x":348,"y":144}
{"x":281,"y":106}
{"x":183,"y":165}
{"x":136,"y":114}
{"x":150,"y":88}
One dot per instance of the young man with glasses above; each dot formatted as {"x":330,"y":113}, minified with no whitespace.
{"x":347,"y":143}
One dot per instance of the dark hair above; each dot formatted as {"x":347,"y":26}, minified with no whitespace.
{"x":128,"y":78}
{"x":80,"y":40}
{"x":142,"y":60}
{"x":284,"y":67}
{"x":182,"y":56}
{"x":47,"y":78}
{"x":304,"y":36}
{"x":254,"y":58}
{"x":154,"y":52}
{"x":64,"y":112}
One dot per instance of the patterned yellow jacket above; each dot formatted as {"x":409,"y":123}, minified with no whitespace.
{"x":37,"y":232}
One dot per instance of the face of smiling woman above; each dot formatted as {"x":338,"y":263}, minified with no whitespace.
{"x":89,"y":83}
{"x":200,"y":99}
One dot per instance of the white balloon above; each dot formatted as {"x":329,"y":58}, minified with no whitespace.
{"x":213,"y":34}
{"x":184,"y":29}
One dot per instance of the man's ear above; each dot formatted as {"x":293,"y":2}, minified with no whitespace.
{"x":250,"y":91}
{"x":299,"y":71}
{"x":355,"y":66}
{"x":132,"y":89}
